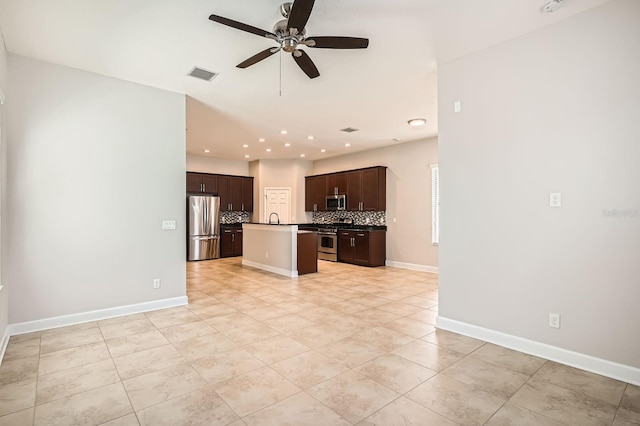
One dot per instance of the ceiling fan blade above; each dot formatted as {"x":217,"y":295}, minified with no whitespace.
{"x":306,"y":64}
{"x":299,"y":16}
{"x":338,"y":42}
{"x":242,"y":27}
{"x":258,"y":57}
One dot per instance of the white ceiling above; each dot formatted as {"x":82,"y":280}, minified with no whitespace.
{"x":157,"y":42}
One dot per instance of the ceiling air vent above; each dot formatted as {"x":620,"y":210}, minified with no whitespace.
{"x":202,"y":74}
{"x":349,"y":130}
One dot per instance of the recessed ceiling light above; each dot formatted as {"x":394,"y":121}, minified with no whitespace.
{"x":323,"y":150}
{"x":268,"y":149}
{"x":552,"y":6}
{"x":283,"y":132}
{"x":261,"y":140}
{"x":302,"y":155}
{"x":414,"y":122}
{"x":245,"y":146}
{"x":347,"y":145}
{"x":206,"y":151}
{"x":287,"y":144}
{"x":247,"y":156}
{"x":310,"y":137}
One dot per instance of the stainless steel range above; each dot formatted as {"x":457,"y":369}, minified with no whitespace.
{"x":328,"y":244}
{"x":328,"y":240}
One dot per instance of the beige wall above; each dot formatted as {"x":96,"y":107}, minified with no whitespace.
{"x":272,"y":246}
{"x":408,"y":197}
{"x":202,"y":164}
{"x":281,"y":174}
{"x":95,"y":165}
{"x":556,"y":110}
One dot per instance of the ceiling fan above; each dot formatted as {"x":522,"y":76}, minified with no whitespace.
{"x":290,"y":33}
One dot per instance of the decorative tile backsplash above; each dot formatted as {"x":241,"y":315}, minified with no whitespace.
{"x":235,"y":217}
{"x":359,"y":218}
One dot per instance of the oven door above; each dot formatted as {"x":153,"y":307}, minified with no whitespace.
{"x":327,"y":242}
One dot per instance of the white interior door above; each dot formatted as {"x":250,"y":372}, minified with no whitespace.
{"x":278,"y":201}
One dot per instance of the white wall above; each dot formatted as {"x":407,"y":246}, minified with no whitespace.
{"x":202,"y":164}
{"x":4,"y":300}
{"x":554,"y":110}
{"x":94,"y":166}
{"x":408,"y":196}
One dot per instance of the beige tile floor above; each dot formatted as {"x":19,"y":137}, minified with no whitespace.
{"x":345,"y":346}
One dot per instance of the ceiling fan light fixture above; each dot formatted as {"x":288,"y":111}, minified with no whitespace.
{"x":416,"y":122}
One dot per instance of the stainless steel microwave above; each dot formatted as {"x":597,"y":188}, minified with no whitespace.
{"x":336,"y":202}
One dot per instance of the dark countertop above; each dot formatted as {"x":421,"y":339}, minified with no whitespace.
{"x":360,"y":228}
{"x":313,"y":226}
{"x":231,"y":225}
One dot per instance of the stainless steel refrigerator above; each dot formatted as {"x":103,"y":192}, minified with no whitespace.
{"x":204,"y":227}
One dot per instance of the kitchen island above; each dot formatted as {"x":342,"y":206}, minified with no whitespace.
{"x":272,"y":248}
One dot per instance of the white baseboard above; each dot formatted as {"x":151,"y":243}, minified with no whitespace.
{"x":269,"y":268}
{"x":412,"y":266}
{"x":3,"y":347}
{"x":600,"y":366}
{"x":65,"y":320}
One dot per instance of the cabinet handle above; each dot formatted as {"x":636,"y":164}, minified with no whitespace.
{"x":242,"y":209}
{"x":345,"y":233}
{"x":360,"y":235}
{"x":233,"y":238}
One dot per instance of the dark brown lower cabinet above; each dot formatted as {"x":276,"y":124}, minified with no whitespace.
{"x":231,"y":242}
{"x":367,"y":248}
{"x":307,"y":253}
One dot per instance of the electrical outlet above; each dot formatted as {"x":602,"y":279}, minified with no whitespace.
{"x":156,"y":283}
{"x":554,"y":320}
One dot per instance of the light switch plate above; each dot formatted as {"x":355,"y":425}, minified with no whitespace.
{"x":168,"y":224}
{"x":457,"y":106}
{"x":555,"y":199}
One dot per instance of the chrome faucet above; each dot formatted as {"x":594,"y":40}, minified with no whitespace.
{"x":277,"y":219}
